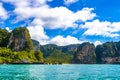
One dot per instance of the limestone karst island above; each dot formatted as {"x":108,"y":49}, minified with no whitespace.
{"x":17,"y":47}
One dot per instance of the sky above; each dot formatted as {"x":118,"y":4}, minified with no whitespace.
{"x":63,"y":22}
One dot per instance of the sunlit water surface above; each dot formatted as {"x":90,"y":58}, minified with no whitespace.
{"x":60,"y":72}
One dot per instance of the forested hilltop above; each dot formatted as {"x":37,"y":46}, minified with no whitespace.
{"x":17,"y":47}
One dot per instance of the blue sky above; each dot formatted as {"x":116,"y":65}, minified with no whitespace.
{"x":64,"y":22}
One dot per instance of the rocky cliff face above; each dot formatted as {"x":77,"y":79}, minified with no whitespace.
{"x":108,"y":52}
{"x":85,"y":54}
{"x":69,"y":48}
{"x":36,"y":45}
{"x":20,"y":40}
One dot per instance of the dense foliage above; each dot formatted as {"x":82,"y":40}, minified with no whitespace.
{"x":20,"y":49}
{"x":57,"y":57}
{"x":107,"y":50}
{"x":26,"y":54}
{"x":4,"y":37}
{"x":48,"y":49}
{"x":54,"y":54}
{"x":7,"y":56}
{"x":17,"y":47}
{"x":39,"y":56}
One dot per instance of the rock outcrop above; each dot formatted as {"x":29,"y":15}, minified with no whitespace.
{"x":108,"y":53}
{"x":20,"y":40}
{"x":85,"y":54}
{"x":36,"y":45}
{"x":71,"y":49}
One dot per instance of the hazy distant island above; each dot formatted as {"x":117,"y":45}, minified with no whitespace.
{"x":17,"y":47}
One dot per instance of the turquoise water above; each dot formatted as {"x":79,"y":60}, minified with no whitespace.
{"x":59,"y":72}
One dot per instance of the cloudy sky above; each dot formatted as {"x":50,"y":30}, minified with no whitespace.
{"x":64,"y":22}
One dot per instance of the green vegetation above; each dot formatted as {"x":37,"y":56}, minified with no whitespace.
{"x":54,"y":54}
{"x":4,"y":37}
{"x":39,"y":56}
{"x":57,"y":57}
{"x":21,"y":40}
{"x":8,"y":56}
{"x":17,"y":47}
{"x":20,"y":49}
{"x":108,"y":50}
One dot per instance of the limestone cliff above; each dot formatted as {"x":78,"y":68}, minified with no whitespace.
{"x":20,"y":40}
{"x":108,"y":52}
{"x":36,"y":45}
{"x":85,"y":54}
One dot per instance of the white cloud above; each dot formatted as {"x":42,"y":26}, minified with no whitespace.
{"x":67,"y":2}
{"x":37,"y":32}
{"x":105,"y":28}
{"x":51,"y":18}
{"x":62,"y":41}
{"x":97,"y":43}
{"x":8,"y":29}
{"x":58,"y":17}
{"x":27,"y":2}
{"x":3,"y":12}
{"x":50,"y":0}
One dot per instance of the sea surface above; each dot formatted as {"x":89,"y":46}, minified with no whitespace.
{"x":60,"y":72}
